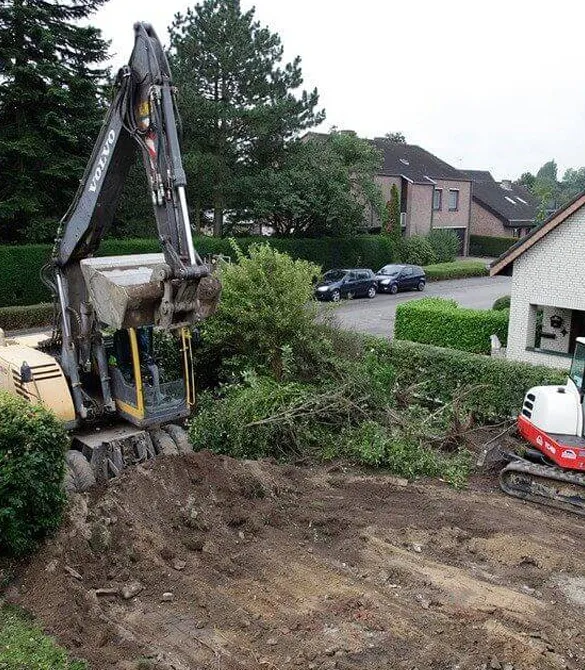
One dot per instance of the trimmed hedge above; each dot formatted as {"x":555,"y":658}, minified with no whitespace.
{"x":31,"y":316}
{"x":502,"y":303}
{"x":441,"y":374}
{"x":32,"y":466}
{"x":443,"y":324}
{"x":20,"y":266}
{"x":456,"y":270}
{"x":485,"y":245}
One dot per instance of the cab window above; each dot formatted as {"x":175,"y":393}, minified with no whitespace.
{"x":578,"y":365}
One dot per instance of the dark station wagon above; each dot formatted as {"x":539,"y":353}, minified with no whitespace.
{"x":349,"y":283}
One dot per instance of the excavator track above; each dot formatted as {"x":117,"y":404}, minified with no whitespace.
{"x":544,"y":484}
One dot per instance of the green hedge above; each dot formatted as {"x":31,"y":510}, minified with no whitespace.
{"x":485,"y":245}
{"x":20,"y":265}
{"x":31,"y":316}
{"x":444,"y":324}
{"x":32,"y":466}
{"x":457,"y":270}
{"x":443,"y":374}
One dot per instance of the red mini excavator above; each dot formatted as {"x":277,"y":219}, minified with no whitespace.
{"x":552,"y":471}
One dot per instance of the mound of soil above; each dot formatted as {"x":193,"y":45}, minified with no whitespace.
{"x":200,"y":561}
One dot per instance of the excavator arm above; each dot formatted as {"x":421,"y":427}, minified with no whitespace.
{"x":141,"y":117}
{"x":173,"y":289}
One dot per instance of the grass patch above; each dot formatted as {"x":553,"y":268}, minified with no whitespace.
{"x":456,"y":270}
{"x":24,"y":646}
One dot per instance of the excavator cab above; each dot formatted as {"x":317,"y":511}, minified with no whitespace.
{"x":151,"y":374}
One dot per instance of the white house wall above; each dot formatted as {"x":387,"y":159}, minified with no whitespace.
{"x":551,"y":273}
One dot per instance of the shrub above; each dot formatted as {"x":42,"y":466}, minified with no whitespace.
{"x":502,"y":303}
{"x":494,"y":387}
{"x":445,"y":244}
{"x":32,"y":466}
{"x":23,"y":645}
{"x":262,"y":417}
{"x":457,"y":270}
{"x":266,"y":314}
{"x":31,"y":316}
{"x":485,"y":245}
{"x":418,"y":251}
{"x":444,"y":324}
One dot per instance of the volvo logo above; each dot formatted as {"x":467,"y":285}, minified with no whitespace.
{"x":103,"y":161}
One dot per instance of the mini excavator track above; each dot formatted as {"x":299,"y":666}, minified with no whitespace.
{"x":544,"y":484}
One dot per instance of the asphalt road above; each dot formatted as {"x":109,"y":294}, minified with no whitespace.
{"x":376,"y":316}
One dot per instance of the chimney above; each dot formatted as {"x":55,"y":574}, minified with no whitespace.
{"x":506,"y":184}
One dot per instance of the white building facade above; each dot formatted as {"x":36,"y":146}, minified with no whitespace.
{"x":547,"y":311}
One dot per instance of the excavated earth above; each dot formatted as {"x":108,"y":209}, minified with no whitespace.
{"x":199,"y":561}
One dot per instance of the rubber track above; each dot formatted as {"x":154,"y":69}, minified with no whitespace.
{"x":548,"y":492}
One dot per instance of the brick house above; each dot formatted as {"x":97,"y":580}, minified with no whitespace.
{"x":433,"y":194}
{"x":500,"y":209}
{"x":548,"y":289}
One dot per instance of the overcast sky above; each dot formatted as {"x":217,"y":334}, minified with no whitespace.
{"x":484,"y":84}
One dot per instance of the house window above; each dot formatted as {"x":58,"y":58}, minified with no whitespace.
{"x":453,"y":199}
{"x":438,"y":199}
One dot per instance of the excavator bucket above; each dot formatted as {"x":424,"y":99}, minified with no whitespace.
{"x":131,"y":291}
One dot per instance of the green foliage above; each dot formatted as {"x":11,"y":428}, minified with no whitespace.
{"x":24,"y":646}
{"x":492,"y":247}
{"x":444,"y":324}
{"x":32,"y":466}
{"x":263,"y":417}
{"x":494,"y":387}
{"x":266,"y":306}
{"x":240,"y":104}
{"x":502,"y":303}
{"x":418,"y":251}
{"x":445,"y":244}
{"x":20,"y":266}
{"x":371,"y":444}
{"x":31,"y":316}
{"x":50,"y":110}
{"x":394,"y":229}
{"x":324,"y":185}
{"x":456,"y":270}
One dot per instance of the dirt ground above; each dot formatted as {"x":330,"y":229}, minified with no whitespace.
{"x":210,"y":563}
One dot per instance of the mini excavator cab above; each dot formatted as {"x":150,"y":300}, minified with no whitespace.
{"x":151,"y":372}
{"x":577,"y":373}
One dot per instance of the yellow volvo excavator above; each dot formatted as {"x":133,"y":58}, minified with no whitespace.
{"x":117,"y":368}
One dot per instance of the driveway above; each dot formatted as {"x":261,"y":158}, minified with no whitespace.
{"x":376,"y":316}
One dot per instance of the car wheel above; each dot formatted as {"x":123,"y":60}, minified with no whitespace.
{"x":394,"y":289}
{"x":372,"y":292}
{"x":421,"y":286}
{"x":336,"y":296}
